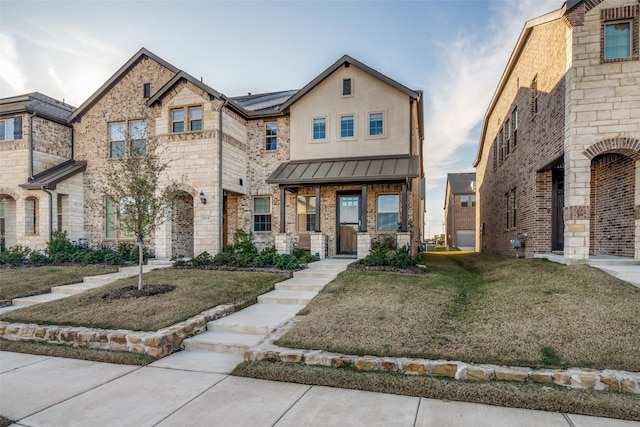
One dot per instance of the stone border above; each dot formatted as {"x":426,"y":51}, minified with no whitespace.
{"x":586,"y":379}
{"x":158,"y":344}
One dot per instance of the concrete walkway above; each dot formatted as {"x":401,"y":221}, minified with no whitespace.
{"x":49,"y":391}
{"x":627,"y":269}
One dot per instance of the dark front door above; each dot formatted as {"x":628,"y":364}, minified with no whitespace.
{"x":348,"y":219}
{"x":557,"y":206}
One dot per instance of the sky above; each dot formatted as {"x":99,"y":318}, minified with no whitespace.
{"x":455,"y":51}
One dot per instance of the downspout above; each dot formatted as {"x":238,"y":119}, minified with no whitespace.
{"x":220,"y":189}
{"x":43,"y":188}
{"x":31,"y":147}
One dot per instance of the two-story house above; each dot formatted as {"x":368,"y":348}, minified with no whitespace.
{"x":40,"y":184}
{"x":326,"y":168}
{"x":460,"y":211}
{"x":558,"y":157}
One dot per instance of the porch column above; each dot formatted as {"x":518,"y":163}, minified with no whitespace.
{"x":403,"y":227}
{"x":577,"y":192}
{"x":363,"y":208}
{"x":317,"y":225}
{"x":282,"y":209}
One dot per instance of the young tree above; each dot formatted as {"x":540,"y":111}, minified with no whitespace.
{"x":132,"y":183}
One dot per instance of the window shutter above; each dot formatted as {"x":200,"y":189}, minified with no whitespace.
{"x":17,"y":127}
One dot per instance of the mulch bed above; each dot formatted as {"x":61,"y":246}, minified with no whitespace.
{"x":133,"y":292}
{"x":414,"y":269}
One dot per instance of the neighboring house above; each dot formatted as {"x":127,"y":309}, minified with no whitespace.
{"x":559,"y":151}
{"x":460,"y":211}
{"x":40,"y":188}
{"x":326,"y":168}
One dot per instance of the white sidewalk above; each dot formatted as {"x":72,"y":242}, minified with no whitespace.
{"x":49,"y":391}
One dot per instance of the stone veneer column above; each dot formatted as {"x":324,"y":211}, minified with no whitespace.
{"x":403,"y":239}
{"x":364,"y":245}
{"x":318,"y":244}
{"x":283,"y":243}
{"x":577,"y":206}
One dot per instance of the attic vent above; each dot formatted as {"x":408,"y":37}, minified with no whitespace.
{"x":346,"y":87}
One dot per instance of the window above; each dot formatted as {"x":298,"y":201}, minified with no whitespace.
{"x":346,"y":87}
{"x":346,"y":127}
{"x":473,"y":201}
{"x":501,"y":145}
{"x":138,"y":137}
{"x":510,"y":208}
{"x":388,"y":216}
{"x":514,"y":124}
{"x":306,"y":213}
{"x":271,"y":130}
{"x":146,"y":90}
{"x":11,"y":128}
{"x":116,"y":140}
{"x":60,"y":209}
{"x":3,"y":225}
{"x":506,"y":210}
{"x":110,"y":218}
{"x":514,"y":208}
{"x":507,"y":132}
{"x":262,"y":214}
{"x":495,"y":154}
{"x":195,"y":118}
{"x":617,"y":40}
{"x":177,"y":120}
{"x":320,"y":128}
{"x":534,"y":97}
{"x":31,"y":215}
{"x":376,"y":126}
{"x":464,"y":201}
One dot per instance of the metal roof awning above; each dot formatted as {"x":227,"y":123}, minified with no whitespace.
{"x":52,"y":176}
{"x":340,"y":171}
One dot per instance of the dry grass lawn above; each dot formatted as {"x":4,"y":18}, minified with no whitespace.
{"x":196,"y":291}
{"x":22,"y":282}
{"x":479,"y":308}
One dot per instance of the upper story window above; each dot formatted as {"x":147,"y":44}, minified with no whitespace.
{"x":501,"y":149}
{"x":195,"y":118}
{"x":347,"y":128}
{"x":146,"y":90}
{"x":388,"y":212}
{"x":507,"y":135}
{"x":534,"y":97}
{"x":11,"y":128}
{"x":495,"y":154}
{"x":118,"y":139}
{"x":320,"y":128}
{"x":271,"y":136}
{"x":177,"y":120}
{"x":347,"y":89}
{"x":617,"y":40}
{"x":514,"y":124}
{"x":376,"y":124}
{"x":464,"y":201}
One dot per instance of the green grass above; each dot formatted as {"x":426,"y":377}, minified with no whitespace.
{"x":22,"y":282}
{"x":479,"y":308}
{"x":515,"y":395}
{"x":4,"y":421}
{"x":196,"y":291}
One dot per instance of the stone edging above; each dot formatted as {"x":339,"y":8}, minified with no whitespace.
{"x":586,"y":379}
{"x":160,"y":343}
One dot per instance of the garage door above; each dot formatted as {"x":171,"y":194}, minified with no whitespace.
{"x":466,"y":240}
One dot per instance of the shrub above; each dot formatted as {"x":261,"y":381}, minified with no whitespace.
{"x":378,"y":256}
{"x":307,"y":258}
{"x":241,"y":260}
{"x":113,"y":258}
{"x":259,"y":262}
{"x":202,"y":259}
{"x":14,"y":255}
{"x":402,"y":258}
{"x":180,"y":263}
{"x":243,"y":242}
{"x":286,"y":262}
{"x":298,"y":252}
{"x":38,"y":258}
{"x":222,"y":258}
{"x":59,"y":247}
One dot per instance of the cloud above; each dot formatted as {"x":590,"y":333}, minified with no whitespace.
{"x":12,"y":77}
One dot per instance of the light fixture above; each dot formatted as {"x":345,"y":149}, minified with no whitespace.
{"x":202,"y":198}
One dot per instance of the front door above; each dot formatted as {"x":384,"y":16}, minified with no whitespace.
{"x":348,"y":222}
{"x":557,"y":206}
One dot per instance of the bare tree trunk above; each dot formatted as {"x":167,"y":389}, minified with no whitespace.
{"x":140,"y":261}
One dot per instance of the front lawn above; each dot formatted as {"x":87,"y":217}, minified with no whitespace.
{"x":27,"y":281}
{"x":195,"y":291}
{"x":479,"y":308}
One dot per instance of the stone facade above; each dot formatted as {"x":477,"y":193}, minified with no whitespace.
{"x":561,"y":176}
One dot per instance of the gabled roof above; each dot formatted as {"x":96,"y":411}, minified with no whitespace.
{"x":38,"y":103}
{"x":262,"y":102}
{"x":462,"y":183}
{"x":354,"y":170}
{"x":52,"y":176}
{"x":114,"y":79}
{"x":346,"y":59}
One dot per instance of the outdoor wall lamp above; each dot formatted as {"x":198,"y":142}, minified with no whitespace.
{"x":202,"y":198}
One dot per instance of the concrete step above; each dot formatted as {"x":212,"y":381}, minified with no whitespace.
{"x":105,"y":279}
{"x":8,"y":308}
{"x":327,"y":275}
{"x":37,"y":299}
{"x":165,"y":262}
{"x":200,"y":361}
{"x":222,"y":342}
{"x":259,"y":319}
{"x":603,"y":260}
{"x":298,"y":284}
{"x":75,"y":288}
{"x":135,"y":269}
{"x":331,"y":264}
{"x":287,"y":297}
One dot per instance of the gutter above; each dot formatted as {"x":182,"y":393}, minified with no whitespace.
{"x":220,"y":189}
{"x":30,"y":147}
{"x":43,"y":188}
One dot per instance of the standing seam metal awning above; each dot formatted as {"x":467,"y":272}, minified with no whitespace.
{"x":355,"y":170}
